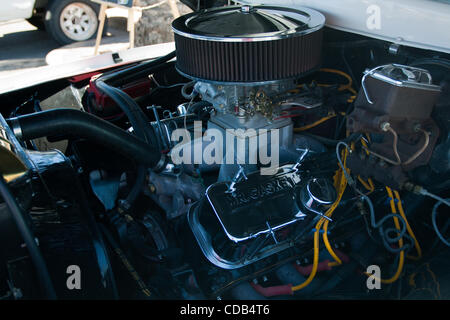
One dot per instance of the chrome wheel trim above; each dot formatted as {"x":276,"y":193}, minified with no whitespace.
{"x":78,"y":21}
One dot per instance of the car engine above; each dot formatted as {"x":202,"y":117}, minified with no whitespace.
{"x":268,"y":156}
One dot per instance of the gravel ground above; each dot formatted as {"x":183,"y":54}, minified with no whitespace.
{"x":155,"y":24}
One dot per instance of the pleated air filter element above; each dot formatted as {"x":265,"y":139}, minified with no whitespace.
{"x":245,"y":44}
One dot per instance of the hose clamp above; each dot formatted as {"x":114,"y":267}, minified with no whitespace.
{"x":16,"y":128}
{"x":161,"y":165}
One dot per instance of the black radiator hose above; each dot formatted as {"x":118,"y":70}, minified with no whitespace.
{"x":107,"y":84}
{"x":134,"y":113}
{"x":141,"y":128}
{"x":63,"y":122}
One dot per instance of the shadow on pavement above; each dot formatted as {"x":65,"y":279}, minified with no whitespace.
{"x":25,"y":49}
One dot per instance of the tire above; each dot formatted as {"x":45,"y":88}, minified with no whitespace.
{"x":37,"y":21}
{"x":69,"y":21}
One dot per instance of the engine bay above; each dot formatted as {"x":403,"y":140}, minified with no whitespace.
{"x":268,"y":157}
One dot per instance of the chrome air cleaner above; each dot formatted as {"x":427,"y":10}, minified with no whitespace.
{"x":245,"y":44}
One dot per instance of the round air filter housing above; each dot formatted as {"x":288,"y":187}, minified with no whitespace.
{"x":247,"y":44}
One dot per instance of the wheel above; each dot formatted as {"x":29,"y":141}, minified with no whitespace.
{"x":70,"y":21}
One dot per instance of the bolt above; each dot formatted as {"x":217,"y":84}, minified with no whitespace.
{"x":17,"y":293}
{"x":385,"y":126}
{"x":417,"y":127}
{"x":382,"y":164}
{"x":394,"y":48}
{"x":408,"y":186}
{"x":265,"y":279}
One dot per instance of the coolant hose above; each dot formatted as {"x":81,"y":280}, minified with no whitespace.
{"x":141,"y":127}
{"x":63,"y":122}
{"x":139,"y":121}
{"x":134,"y":113}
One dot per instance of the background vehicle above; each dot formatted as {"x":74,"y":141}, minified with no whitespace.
{"x":65,"y":20}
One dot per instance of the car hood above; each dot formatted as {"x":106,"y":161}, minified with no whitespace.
{"x":31,"y":77}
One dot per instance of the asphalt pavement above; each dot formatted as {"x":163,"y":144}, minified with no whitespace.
{"x":23,"y":46}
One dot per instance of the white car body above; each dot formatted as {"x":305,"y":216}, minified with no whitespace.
{"x":16,"y":9}
{"x":36,"y":76}
{"x":422,"y":24}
